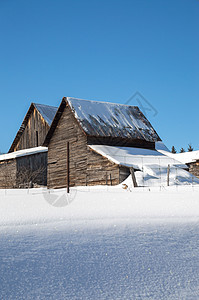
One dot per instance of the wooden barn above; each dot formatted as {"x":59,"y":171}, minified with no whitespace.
{"x":34,"y":128}
{"x":194,"y":167}
{"x":79,"y":127}
{"x":24,"y":168}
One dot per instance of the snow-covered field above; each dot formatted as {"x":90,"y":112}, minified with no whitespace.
{"x":100,"y":243}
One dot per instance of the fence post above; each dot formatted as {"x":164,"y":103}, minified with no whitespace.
{"x":110,"y":179}
{"x":133,"y":177}
{"x":168,"y":173}
{"x":68,"y":165}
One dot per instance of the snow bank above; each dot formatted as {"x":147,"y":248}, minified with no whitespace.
{"x":97,"y":203}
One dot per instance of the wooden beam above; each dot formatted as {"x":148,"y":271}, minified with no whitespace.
{"x":133,"y":177}
{"x":68,"y":166}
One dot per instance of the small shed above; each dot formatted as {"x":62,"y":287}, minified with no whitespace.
{"x":80,"y":124}
{"x":34,"y":127}
{"x":24,"y":168}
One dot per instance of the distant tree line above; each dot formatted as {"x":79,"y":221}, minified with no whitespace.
{"x":182,"y":150}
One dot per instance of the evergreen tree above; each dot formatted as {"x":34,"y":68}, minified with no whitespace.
{"x":190,"y":148}
{"x":173,"y":150}
{"x":182,"y":150}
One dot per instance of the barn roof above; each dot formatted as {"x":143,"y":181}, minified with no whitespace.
{"x":47,"y":112}
{"x":104,"y":119}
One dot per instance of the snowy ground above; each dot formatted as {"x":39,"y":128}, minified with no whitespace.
{"x":100,"y":243}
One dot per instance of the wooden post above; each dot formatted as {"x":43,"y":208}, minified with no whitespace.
{"x":110,"y":179}
{"x":133,"y":177}
{"x":106,"y":179}
{"x":37,"y":139}
{"x":168,"y":172}
{"x":68,"y":165}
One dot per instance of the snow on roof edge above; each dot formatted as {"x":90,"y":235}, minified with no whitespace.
{"x":147,"y":155}
{"x":185,"y":157}
{"x":23,"y":152}
{"x":99,"y":101}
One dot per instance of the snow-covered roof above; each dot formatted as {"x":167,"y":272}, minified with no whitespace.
{"x":112,"y":120}
{"x":185,"y":157}
{"x":48,"y":112}
{"x":159,"y":146}
{"x":24,"y":152}
{"x":135,"y":157}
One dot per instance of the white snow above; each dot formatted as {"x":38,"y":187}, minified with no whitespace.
{"x":107,"y":243}
{"x":185,"y":157}
{"x":24,"y":152}
{"x":97,"y":203}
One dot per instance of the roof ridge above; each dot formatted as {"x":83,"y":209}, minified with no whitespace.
{"x":44,"y":104}
{"x":105,"y":102}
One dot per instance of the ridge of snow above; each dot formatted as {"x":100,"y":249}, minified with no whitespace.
{"x":185,"y":157}
{"x":135,"y":157}
{"x":23,"y":152}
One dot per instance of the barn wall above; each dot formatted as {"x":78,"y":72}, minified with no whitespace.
{"x":67,"y":130}
{"x":100,"y":170}
{"x":194,"y":168}
{"x":32,"y":170}
{"x":86,"y":166}
{"x":28,"y":138}
{"x":8,"y":174}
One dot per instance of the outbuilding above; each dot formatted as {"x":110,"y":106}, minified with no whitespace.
{"x":78,"y":126}
{"x":24,"y":168}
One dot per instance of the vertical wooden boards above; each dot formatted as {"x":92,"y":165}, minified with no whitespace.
{"x":34,"y":132}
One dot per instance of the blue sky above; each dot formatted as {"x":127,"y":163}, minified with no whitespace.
{"x":102,"y":50}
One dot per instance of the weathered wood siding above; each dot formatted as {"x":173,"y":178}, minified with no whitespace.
{"x":29,"y":137}
{"x":100,"y":170}
{"x":67,"y":130}
{"x":32,"y":169}
{"x":194,"y":168}
{"x":8,"y":174}
{"x":23,"y":172}
{"x":86,"y":167}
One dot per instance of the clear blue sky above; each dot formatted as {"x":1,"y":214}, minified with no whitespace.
{"x":102,"y":50}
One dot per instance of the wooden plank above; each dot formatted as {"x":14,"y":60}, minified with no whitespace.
{"x":133,"y":177}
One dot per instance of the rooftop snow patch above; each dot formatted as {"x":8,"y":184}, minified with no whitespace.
{"x":185,"y":157}
{"x":159,"y":146}
{"x":151,"y":166}
{"x":115,"y":120}
{"x":135,"y":157}
{"x":24,"y":152}
{"x":48,"y":112}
